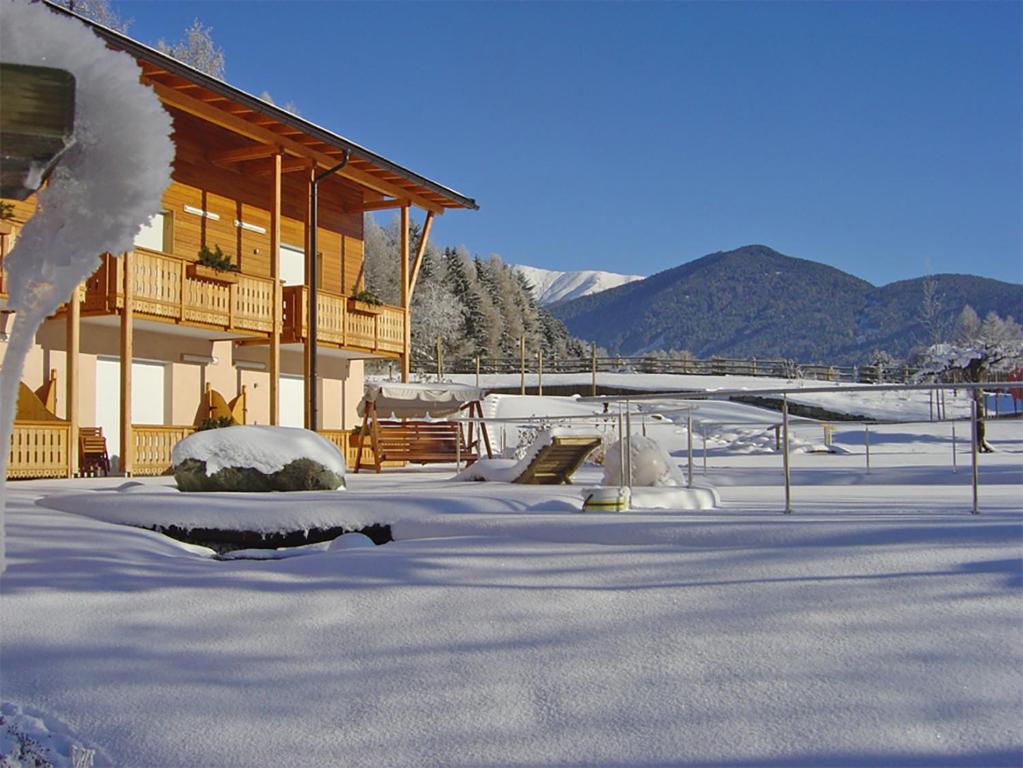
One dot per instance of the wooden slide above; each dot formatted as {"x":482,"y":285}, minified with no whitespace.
{"x":557,"y":462}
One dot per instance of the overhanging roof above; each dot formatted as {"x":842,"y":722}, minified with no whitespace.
{"x":193,"y":91}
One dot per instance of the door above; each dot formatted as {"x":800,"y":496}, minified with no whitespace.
{"x":147,"y":398}
{"x":292,"y":393}
{"x":292,"y":265}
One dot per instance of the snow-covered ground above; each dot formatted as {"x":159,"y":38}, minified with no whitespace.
{"x":880,"y":624}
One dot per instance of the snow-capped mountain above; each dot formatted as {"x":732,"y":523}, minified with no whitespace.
{"x":550,"y":286}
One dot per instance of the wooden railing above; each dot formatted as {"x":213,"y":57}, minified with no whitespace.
{"x":153,"y":446}
{"x":164,"y":290}
{"x":40,"y":449}
{"x":339,"y":437}
{"x":343,"y":321}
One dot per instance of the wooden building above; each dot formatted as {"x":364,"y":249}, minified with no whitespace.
{"x":198,"y":339}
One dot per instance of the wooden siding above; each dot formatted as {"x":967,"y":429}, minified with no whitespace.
{"x":243,"y":192}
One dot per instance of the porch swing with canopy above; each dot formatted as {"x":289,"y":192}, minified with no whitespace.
{"x":406,"y":423}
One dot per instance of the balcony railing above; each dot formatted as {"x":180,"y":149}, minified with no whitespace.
{"x":344,"y":322}
{"x":164,"y":290}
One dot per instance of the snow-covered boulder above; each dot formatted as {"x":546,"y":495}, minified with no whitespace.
{"x":651,"y":465}
{"x":257,"y":458}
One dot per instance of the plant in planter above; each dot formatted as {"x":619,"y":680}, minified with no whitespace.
{"x":216,"y":259}
{"x":367,"y":297}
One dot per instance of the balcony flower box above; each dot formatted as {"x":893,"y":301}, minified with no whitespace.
{"x":211,"y":275}
{"x":6,"y":227}
{"x":354,"y":305}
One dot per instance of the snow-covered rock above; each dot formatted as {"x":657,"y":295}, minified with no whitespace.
{"x":257,"y":458}
{"x":550,"y":285}
{"x":651,"y":465}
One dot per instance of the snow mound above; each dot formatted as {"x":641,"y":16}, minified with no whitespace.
{"x":266,"y":449}
{"x":669,"y":498}
{"x":651,"y":465}
{"x":30,"y":738}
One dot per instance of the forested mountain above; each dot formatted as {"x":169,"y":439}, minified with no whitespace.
{"x":756,"y":302}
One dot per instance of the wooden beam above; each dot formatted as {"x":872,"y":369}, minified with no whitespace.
{"x":127,"y":351}
{"x":258,"y":133}
{"x":251,"y":152}
{"x":278,"y":299}
{"x":376,"y":205}
{"x":405,"y":296}
{"x":420,"y":252}
{"x":288,"y":165}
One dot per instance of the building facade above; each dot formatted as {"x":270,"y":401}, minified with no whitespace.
{"x":164,"y":337}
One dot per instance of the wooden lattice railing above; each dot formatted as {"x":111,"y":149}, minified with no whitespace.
{"x":343,"y":321}
{"x":165,"y":290}
{"x":153,"y":446}
{"x":40,"y":449}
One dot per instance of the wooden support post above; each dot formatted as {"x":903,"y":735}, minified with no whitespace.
{"x":420,"y":253}
{"x":539,"y":372}
{"x":73,"y":339}
{"x":522,"y":365}
{"x":278,"y":297}
{"x":406,"y":354}
{"x":477,"y":371}
{"x":440,"y":364}
{"x":974,"y":449}
{"x":127,"y":350}
{"x":309,"y":277}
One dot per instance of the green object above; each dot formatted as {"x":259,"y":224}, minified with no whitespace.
{"x":298,"y":475}
{"x":367,"y":297}
{"x":216,"y":259}
{"x":37,"y":122}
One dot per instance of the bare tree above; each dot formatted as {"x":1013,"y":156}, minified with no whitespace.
{"x":197,"y":49}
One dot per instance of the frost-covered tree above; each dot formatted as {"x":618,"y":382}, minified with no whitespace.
{"x":977,"y":350}
{"x":197,"y":49}
{"x":967,"y":327}
{"x":99,"y":11}
{"x":931,"y":314}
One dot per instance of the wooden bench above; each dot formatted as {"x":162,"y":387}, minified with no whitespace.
{"x":417,"y":442}
{"x":92,"y":451}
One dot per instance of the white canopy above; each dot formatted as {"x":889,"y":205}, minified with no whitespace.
{"x":416,"y":401}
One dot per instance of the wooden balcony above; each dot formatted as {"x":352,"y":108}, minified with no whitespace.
{"x":165,"y":291}
{"x":343,"y":322}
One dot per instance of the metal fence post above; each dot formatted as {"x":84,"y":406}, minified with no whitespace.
{"x":866,"y":443}
{"x":785,"y":452}
{"x":955,"y":467}
{"x":539,"y":372}
{"x":593,"y":365}
{"x":973,"y":451}
{"x":689,"y":449}
{"x":703,"y":434}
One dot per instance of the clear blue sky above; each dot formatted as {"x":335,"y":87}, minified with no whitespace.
{"x":881,"y":138}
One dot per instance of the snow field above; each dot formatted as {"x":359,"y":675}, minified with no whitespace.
{"x":880,"y":624}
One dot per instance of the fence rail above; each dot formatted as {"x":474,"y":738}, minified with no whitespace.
{"x":536,"y":364}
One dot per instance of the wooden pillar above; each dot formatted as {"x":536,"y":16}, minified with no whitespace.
{"x":127,"y":349}
{"x":278,"y":297}
{"x":72,"y":339}
{"x":309,"y":277}
{"x":406,"y":354}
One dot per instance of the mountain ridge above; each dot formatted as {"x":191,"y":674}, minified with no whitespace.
{"x":756,"y":302}
{"x":551,"y":286}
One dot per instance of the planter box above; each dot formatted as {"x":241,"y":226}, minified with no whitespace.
{"x":210,"y":275}
{"x":6,"y":227}
{"x":354,"y":305}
